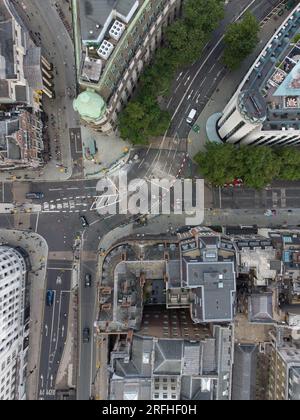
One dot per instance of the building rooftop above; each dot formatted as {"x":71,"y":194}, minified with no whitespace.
{"x":244,"y":372}
{"x":173,"y":368}
{"x":271,"y":90}
{"x":261,"y":308}
{"x":89,"y":105}
{"x":95,"y":15}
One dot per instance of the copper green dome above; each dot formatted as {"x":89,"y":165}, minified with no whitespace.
{"x":90,"y":105}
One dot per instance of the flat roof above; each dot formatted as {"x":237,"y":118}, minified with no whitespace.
{"x":94,"y":14}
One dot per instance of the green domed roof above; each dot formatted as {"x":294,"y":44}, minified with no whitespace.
{"x":90,"y":105}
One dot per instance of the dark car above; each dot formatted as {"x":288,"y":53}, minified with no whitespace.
{"x":83,"y":221}
{"x":88,"y":280}
{"x":35,"y":195}
{"x":86,"y":335}
{"x":50,"y":297}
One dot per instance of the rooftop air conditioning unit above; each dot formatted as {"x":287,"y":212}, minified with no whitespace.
{"x":105,"y":49}
{"x":117,"y":30}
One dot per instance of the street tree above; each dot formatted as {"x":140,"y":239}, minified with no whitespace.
{"x":240,"y":40}
{"x":289,"y":164}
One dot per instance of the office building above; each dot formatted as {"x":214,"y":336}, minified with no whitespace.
{"x":265,"y":109}
{"x":150,"y":368}
{"x":14,"y":319}
{"x":114,"y":40}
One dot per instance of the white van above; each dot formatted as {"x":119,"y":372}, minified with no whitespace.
{"x":191,"y":116}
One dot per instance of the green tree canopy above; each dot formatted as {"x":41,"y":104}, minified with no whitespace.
{"x":240,"y":40}
{"x":205,"y":15}
{"x":257,"y":166}
{"x":184,"y":43}
{"x":141,"y":121}
{"x":289,"y":164}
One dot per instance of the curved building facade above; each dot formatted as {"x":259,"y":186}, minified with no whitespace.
{"x":12,"y":319}
{"x":266,"y":107}
{"x":114,"y":40}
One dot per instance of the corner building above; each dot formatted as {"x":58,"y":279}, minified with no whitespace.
{"x":14,"y":318}
{"x":114,"y":40}
{"x":266,"y":107}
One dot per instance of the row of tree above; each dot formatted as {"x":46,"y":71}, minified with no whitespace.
{"x":257,"y":166}
{"x":184,"y":41}
{"x":240,"y":40}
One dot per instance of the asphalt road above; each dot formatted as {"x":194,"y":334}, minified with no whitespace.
{"x":278,"y":195}
{"x":54,"y":329}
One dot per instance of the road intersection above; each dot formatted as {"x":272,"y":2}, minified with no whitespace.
{"x":68,"y":197}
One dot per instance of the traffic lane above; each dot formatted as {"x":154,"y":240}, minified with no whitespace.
{"x":236,"y":198}
{"x":60,"y":282}
{"x":55,"y":190}
{"x":205,"y":67}
{"x":232,"y":10}
{"x":60,"y":230}
{"x":7,"y":221}
{"x":87,"y":318}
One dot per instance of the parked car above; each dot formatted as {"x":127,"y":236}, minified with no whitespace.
{"x":35,"y":195}
{"x":84,"y":222}
{"x":86,"y":335}
{"x":88,"y":280}
{"x":50,"y":297}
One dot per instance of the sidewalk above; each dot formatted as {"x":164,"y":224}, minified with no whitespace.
{"x":227,"y":87}
{"x":37,"y":248}
{"x":9,"y":208}
{"x":102,"y":154}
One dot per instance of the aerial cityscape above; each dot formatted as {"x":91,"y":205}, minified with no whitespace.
{"x":149,"y":201}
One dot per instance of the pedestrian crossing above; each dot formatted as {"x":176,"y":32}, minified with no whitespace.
{"x":68,"y":205}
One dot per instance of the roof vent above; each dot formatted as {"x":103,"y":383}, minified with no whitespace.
{"x":105,"y":49}
{"x":117,"y":30}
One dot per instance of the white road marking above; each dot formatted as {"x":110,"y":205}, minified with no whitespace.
{"x":179,"y":76}
{"x":211,"y":69}
{"x":187,"y":80}
{"x":37,"y":222}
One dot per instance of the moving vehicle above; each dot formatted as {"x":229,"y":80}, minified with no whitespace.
{"x":191,"y":116}
{"x":84,"y":222}
{"x":35,"y":195}
{"x":88,"y":280}
{"x":50,"y":297}
{"x":86,"y":335}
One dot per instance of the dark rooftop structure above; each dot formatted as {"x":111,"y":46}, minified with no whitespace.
{"x":207,"y":268}
{"x":260,"y":308}
{"x":244,"y":372}
{"x":172,"y":369}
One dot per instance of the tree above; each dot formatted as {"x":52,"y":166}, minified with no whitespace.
{"x":259,"y":165}
{"x":184,"y":42}
{"x":142,"y":120}
{"x":218,"y":163}
{"x":206,"y":15}
{"x":289,"y":164}
{"x":222,"y":163}
{"x":240,"y":40}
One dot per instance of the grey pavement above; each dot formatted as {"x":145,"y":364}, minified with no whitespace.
{"x":109,"y":151}
{"x":37,"y":248}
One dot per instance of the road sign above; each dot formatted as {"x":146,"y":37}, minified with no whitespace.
{"x":196,"y":128}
